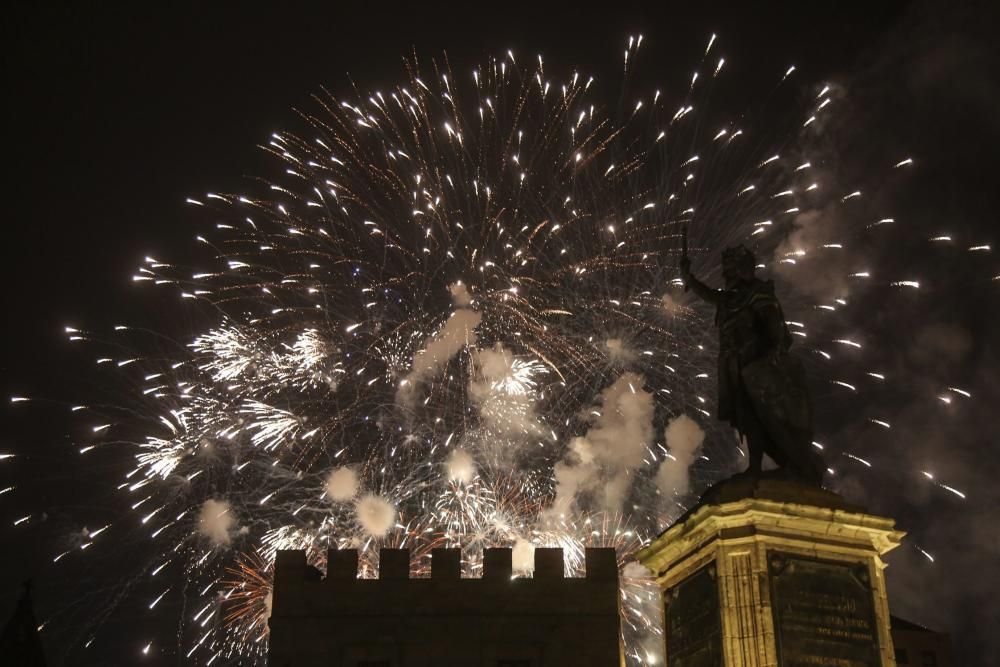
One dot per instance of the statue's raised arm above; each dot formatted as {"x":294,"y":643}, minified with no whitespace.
{"x":704,"y":292}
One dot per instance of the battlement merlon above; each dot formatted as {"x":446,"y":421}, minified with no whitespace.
{"x":601,"y":563}
{"x":300,"y":588}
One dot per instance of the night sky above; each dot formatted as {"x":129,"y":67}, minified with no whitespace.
{"x":113,"y":117}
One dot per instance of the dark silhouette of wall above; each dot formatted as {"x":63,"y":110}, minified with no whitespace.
{"x":444,"y":620}
{"x":916,"y":645}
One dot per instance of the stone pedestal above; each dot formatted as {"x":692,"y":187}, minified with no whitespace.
{"x":763,"y":573}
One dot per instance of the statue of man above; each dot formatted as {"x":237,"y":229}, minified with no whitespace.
{"x":762,"y":389}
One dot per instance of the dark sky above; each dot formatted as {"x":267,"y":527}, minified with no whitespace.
{"x":114,"y":116}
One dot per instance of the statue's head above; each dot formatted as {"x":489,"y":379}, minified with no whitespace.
{"x":738,"y":265}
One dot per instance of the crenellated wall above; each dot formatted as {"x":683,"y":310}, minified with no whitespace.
{"x":445,"y":620}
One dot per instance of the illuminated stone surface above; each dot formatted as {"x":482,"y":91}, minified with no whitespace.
{"x":795,"y":571}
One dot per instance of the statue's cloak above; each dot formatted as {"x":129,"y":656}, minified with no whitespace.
{"x":757,"y":373}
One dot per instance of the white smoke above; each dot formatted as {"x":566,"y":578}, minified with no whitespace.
{"x":456,"y":333}
{"x":824,"y":277}
{"x":268,"y":605}
{"x":496,"y":364}
{"x":460,"y":295}
{"x":671,"y":304}
{"x":523,"y":556}
{"x":342,"y":484}
{"x":460,"y":466}
{"x":602,"y":461}
{"x":684,"y":439}
{"x":503,"y":391}
{"x":375,"y":515}
{"x":216,"y":522}
{"x":574,"y":474}
{"x":618,"y":351}
{"x":636,"y":571}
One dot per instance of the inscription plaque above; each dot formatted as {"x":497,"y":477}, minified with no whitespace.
{"x":693,"y":623}
{"x":824,"y":613}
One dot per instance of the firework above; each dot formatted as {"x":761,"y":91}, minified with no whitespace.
{"x":451,"y":316}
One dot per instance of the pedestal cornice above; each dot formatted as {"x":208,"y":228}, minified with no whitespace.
{"x":764,"y":508}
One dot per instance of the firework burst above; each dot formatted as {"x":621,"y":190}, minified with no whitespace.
{"x":450,"y":316}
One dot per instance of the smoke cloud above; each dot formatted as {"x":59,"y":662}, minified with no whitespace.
{"x":456,"y":333}
{"x":523,"y":556}
{"x":375,"y":515}
{"x":601,"y":462}
{"x":504,"y":393}
{"x":940,"y":345}
{"x":670,"y":304}
{"x":618,"y":351}
{"x":460,"y":466}
{"x":460,"y":295}
{"x":818,"y":272}
{"x":684,"y":439}
{"x":342,"y":484}
{"x":216,"y":522}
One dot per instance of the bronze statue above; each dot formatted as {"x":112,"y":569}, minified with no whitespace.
{"x":762,"y":389}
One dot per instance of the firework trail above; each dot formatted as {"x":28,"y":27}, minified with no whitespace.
{"x":451,"y":316}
